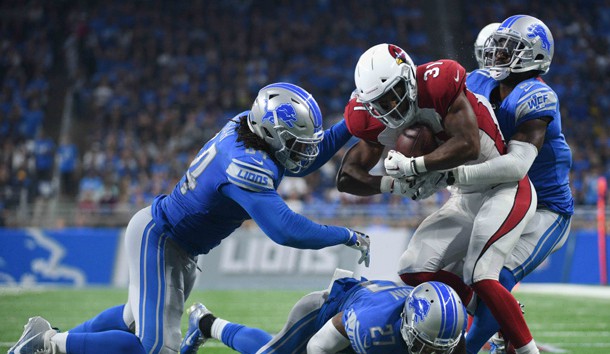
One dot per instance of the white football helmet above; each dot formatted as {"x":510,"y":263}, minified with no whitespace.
{"x":479,"y":44}
{"x":522,"y":43}
{"x":289,"y":120}
{"x":433,"y":319}
{"x":386,"y":84}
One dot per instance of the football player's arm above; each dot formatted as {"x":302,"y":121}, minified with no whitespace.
{"x":513,"y":166}
{"x":353,"y":176}
{"x":331,"y":338}
{"x":463,"y":144}
{"x":334,"y":139}
{"x":284,"y":226}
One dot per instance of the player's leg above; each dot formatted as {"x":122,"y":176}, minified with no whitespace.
{"x":545,"y":233}
{"x":442,"y":238}
{"x":161,"y":275}
{"x":107,"y":320}
{"x":112,"y":330}
{"x":498,"y":226}
{"x":300,"y":326}
{"x":304,"y":320}
{"x":203,"y":325}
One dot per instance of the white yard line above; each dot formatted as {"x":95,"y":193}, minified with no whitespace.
{"x":596,"y":291}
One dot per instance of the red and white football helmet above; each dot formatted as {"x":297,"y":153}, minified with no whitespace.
{"x":386,"y":84}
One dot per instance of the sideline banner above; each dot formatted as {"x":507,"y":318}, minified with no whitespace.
{"x":72,"y":256}
{"x":247,"y":259}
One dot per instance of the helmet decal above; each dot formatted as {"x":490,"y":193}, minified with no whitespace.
{"x":420,"y":307}
{"x":285,"y":113}
{"x":536,"y":30}
{"x":398,"y":54}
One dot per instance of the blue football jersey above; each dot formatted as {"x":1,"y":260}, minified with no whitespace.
{"x":203,"y":209}
{"x":533,"y":99}
{"x":371,"y":316}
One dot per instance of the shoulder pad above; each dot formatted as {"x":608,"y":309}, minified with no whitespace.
{"x":535,"y":96}
{"x":360,"y":123}
{"x":250,"y":176}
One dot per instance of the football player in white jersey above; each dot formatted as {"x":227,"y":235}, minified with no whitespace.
{"x":233,"y":178}
{"x":479,"y":224}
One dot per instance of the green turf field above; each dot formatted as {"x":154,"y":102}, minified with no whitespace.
{"x":568,"y":323}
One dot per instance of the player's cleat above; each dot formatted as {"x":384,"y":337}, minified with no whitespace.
{"x":32,"y":341}
{"x":194,"y":338}
{"x":497,"y":345}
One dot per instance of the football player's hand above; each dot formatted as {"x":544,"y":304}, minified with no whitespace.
{"x":432,"y":182}
{"x":398,"y":165}
{"x":362,"y":243}
{"x":406,"y":187}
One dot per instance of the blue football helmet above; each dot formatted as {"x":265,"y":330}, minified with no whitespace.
{"x":522,"y":43}
{"x":288,"y":119}
{"x":433,"y":319}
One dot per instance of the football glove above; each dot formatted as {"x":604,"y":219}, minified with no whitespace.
{"x":432,"y":182}
{"x":406,"y":187}
{"x":398,"y":165}
{"x":362,"y":243}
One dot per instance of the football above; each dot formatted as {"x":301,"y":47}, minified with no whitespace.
{"x":416,"y":140}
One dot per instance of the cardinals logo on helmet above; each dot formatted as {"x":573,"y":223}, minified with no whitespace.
{"x":398,"y":54}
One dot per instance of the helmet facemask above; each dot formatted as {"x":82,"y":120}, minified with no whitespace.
{"x":297,"y":153}
{"x":395,"y":107}
{"x":521,"y":44}
{"x":506,"y":53}
{"x":419,"y":344}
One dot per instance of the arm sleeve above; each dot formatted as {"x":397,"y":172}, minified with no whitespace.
{"x":327,"y":340}
{"x":506,"y":168}
{"x":334,"y":139}
{"x":283,"y":225}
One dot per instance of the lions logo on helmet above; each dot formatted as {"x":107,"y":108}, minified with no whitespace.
{"x":285,"y":112}
{"x":420,"y":307}
{"x":433,"y":319}
{"x":536,"y":30}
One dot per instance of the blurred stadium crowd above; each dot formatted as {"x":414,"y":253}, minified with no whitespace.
{"x":103,"y":104}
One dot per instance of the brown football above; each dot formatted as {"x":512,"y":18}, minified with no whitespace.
{"x":416,"y":140}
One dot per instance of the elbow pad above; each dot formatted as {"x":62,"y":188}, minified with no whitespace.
{"x":506,"y":168}
{"x":327,"y":340}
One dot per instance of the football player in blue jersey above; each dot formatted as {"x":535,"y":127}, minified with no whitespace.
{"x":361,"y":316}
{"x":527,"y":110}
{"x":233,"y":178}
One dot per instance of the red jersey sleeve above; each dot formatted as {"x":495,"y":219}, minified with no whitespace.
{"x":439,"y":83}
{"x":360,"y":123}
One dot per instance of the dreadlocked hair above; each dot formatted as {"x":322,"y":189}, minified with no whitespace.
{"x":249,"y":140}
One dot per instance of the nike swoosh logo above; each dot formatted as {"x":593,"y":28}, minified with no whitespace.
{"x":457,"y":77}
{"x":259,"y":162}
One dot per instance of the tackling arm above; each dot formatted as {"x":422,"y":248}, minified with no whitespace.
{"x":513,"y":166}
{"x":283,"y":225}
{"x":334,"y":139}
{"x":331,"y":338}
{"x":353,"y":176}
